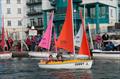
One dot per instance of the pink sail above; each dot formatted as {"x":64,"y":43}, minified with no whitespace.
{"x":2,"y":43}
{"x":46,"y":39}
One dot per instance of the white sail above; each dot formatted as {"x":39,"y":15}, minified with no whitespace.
{"x":78,"y":37}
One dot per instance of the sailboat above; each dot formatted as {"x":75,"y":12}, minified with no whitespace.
{"x":64,"y":43}
{"x":45,"y":41}
{"x":4,"y":54}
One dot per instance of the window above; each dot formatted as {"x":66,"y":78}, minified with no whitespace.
{"x":19,"y":23}
{"x":9,"y":23}
{"x":7,"y":1}
{"x":8,"y":11}
{"x":18,"y":1}
{"x":32,"y":22}
{"x":102,"y":11}
{"x":111,"y":12}
{"x":39,"y":21}
{"x":19,"y":10}
{"x":92,"y":12}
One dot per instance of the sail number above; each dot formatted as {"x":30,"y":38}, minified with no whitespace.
{"x":76,"y":64}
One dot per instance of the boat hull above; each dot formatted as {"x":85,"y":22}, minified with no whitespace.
{"x":74,"y":64}
{"x":99,"y":54}
{"x":46,"y":55}
{"x":41,"y":54}
{"x":5,"y":55}
{"x":106,"y":56}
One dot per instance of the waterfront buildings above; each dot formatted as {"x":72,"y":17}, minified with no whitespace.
{"x":98,"y":13}
{"x":101,"y":14}
{"x":34,"y":14}
{"x":22,"y":14}
{"x":14,"y":13}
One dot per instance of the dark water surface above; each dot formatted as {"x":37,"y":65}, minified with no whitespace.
{"x":27,"y":68}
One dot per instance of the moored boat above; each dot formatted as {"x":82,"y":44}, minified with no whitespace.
{"x":5,"y":55}
{"x":101,"y":54}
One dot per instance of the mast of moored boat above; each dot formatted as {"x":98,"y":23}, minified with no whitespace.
{"x":73,"y":27}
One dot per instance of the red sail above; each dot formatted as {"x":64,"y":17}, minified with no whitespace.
{"x":65,"y":40}
{"x":2,"y":43}
{"x":84,"y":48}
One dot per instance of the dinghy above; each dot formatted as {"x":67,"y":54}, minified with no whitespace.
{"x":4,"y":54}
{"x":45,"y":41}
{"x":64,"y":43}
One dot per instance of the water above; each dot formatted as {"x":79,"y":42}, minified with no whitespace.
{"x":27,"y":68}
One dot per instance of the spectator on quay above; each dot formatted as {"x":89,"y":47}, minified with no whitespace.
{"x":28,"y":42}
{"x":105,"y":37}
{"x":37,"y":39}
{"x":109,"y":46}
{"x":98,"y":40}
{"x":10,"y":43}
{"x":33,"y":43}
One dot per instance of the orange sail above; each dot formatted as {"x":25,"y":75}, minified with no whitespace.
{"x":65,"y":40}
{"x":84,"y":48}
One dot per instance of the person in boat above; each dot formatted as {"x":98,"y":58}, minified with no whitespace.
{"x":51,"y":58}
{"x":59,"y":57}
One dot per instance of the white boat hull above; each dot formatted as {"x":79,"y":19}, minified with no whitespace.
{"x":46,"y":55}
{"x":5,"y":55}
{"x":41,"y":54}
{"x":106,"y":56}
{"x":73,"y":65}
{"x":101,"y":51}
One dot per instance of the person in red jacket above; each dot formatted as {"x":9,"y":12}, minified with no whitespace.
{"x":10,"y":42}
{"x":28,"y":42}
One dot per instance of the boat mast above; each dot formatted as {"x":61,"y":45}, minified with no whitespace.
{"x":73,"y":27}
{"x":51,"y":16}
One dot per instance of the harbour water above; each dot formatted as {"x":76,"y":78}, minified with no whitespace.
{"x":27,"y":68}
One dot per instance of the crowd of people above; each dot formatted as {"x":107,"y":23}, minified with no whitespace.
{"x":102,"y":43}
{"x":31,"y":44}
{"x":30,"y":41}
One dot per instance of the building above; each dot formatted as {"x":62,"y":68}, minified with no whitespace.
{"x":34,"y":14}
{"x":119,"y":10}
{"x":0,"y":16}
{"x":98,"y":13}
{"x":46,"y":8}
{"x":101,"y":14}
{"x":14,"y":12}
{"x":60,"y":11}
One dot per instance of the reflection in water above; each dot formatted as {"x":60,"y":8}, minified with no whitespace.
{"x":86,"y":75}
{"x":72,"y":74}
{"x":63,"y":74}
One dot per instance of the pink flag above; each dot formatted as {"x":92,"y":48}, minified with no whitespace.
{"x":2,"y":43}
{"x":46,"y":39}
